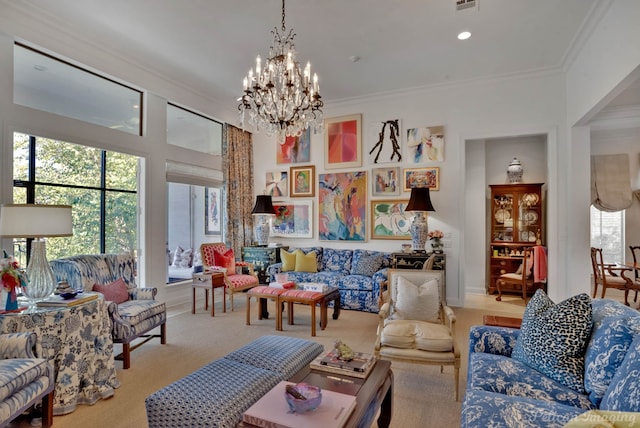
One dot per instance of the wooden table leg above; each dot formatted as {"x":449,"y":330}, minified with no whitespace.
{"x":213,"y":300}
{"x":323,"y":314}
{"x":248,"y":309}
{"x":336,"y":307}
{"x":290,"y":312}
{"x":384,"y":420}
{"x":313,"y":318}
{"x":193,"y":302}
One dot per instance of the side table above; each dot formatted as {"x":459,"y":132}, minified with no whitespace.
{"x":262,"y":258}
{"x":209,"y":280}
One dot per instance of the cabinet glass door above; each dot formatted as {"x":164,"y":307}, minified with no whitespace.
{"x":503,"y":218}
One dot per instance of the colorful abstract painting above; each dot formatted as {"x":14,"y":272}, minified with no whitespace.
{"x":422,"y":177}
{"x":389,"y":220}
{"x":342,"y":214}
{"x":343,"y":142}
{"x":425,"y":144}
{"x":277,"y":184}
{"x":293,"y":220}
{"x":295,"y":149}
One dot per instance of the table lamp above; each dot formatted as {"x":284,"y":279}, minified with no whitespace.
{"x":263,"y":211}
{"x":36,"y":221}
{"x":420,"y":203}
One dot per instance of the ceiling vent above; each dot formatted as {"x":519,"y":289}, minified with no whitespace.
{"x":466,"y":4}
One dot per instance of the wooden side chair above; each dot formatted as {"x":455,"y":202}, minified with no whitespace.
{"x":635,"y":253}
{"x":522,"y":278}
{"x":217,"y":255}
{"x":609,"y":275}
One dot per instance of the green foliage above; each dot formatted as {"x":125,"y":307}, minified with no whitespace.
{"x":60,"y":163}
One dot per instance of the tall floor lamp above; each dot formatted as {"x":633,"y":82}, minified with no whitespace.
{"x":262,"y":211}
{"x":420,"y":203}
{"x":36,"y":221}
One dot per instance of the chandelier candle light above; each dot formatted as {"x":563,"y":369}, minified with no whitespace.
{"x":278,"y":96}
{"x":420,"y":203}
{"x":36,"y":221}
{"x":263,"y":211}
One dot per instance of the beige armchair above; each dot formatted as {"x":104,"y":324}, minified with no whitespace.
{"x":415,"y":324}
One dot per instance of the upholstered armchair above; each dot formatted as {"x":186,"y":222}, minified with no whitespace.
{"x":25,"y":379}
{"x":415,"y":324}
{"x":216,"y":256}
{"x":133,"y":310}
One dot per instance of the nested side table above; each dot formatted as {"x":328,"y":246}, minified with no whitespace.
{"x":209,"y":280}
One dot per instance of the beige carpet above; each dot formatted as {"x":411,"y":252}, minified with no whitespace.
{"x":422,"y":395}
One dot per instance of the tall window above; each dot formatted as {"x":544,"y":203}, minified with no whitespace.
{"x":607,"y":232}
{"x":100,"y":185}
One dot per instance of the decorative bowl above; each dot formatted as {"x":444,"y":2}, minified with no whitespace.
{"x":313,"y":396}
{"x":69,"y":295}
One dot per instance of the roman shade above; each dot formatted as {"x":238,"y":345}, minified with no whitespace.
{"x":611,"y":182}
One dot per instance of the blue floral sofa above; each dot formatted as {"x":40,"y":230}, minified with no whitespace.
{"x":358,"y":274}
{"x":502,"y":391}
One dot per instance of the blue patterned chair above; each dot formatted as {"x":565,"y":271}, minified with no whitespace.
{"x":505,"y":392}
{"x":358,"y":274}
{"x":133,"y":318}
{"x":24,"y":379}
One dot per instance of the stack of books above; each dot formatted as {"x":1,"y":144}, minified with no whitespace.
{"x":360,"y":366}
{"x":272,"y":410}
{"x":288,"y":284}
{"x":313,"y":286}
{"x":57,"y":301}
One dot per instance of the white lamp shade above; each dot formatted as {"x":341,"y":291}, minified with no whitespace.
{"x":35,"y":221}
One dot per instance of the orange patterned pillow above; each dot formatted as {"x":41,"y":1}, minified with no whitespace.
{"x":226,"y":260}
{"x":114,"y":292}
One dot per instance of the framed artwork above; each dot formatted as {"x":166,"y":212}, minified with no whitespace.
{"x":425,"y":144}
{"x":295,"y":149}
{"x":342,"y":210}
{"x":277,"y":184}
{"x":385,"y":181}
{"x":383,"y":142}
{"x":302,"y":181}
{"x":293,"y":219}
{"x":212,"y":211}
{"x":422,"y":177}
{"x":389,"y":220}
{"x":343,"y":142}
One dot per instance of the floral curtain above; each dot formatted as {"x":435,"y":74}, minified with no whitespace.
{"x":237,"y":164}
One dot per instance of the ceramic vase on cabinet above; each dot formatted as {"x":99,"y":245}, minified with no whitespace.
{"x":515,"y":171}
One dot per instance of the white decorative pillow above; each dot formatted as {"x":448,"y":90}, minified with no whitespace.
{"x":417,"y":302}
{"x":185,"y":261}
{"x":177,"y":256}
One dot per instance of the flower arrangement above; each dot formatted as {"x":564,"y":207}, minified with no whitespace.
{"x":11,"y":277}
{"x":435,"y":234}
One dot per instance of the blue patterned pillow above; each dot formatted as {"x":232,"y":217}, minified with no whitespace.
{"x":366,"y":262}
{"x":553,"y":338}
{"x":623,"y":393}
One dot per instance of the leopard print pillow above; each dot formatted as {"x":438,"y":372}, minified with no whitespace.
{"x":553,"y":338}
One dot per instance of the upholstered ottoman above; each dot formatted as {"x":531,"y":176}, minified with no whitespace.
{"x":217,"y":394}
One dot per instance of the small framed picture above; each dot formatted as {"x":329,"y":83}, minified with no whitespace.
{"x":302,"y":181}
{"x":422,"y":177}
{"x":212,"y":211}
{"x":389,"y":220}
{"x":385,"y":181}
{"x":293,"y":219}
{"x":277,"y":184}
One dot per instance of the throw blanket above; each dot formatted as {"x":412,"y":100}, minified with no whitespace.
{"x":539,"y":264}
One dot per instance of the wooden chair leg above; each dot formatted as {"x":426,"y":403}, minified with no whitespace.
{"x":163,"y":333}
{"x":47,"y":410}
{"x":498,"y":284}
{"x":126,"y":354}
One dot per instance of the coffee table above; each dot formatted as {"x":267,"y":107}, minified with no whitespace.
{"x":311,"y":298}
{"x":372,"y":393}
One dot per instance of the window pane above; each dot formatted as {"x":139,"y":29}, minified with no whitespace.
{"x":45,"y":83}
{"x":607,"y":232}
{"x":86,"y":220}
{"x":192,"y":131}
{"x":121,"y":222}
{"x":66,"y":163}
{"x":121,"y":172}
{"x":20,"y":157}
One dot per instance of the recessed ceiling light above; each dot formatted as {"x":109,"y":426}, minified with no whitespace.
{"x":464,"y":35}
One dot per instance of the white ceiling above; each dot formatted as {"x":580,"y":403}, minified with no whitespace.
{"x":209,"y":45}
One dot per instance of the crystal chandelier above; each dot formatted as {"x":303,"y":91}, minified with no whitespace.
{"x":278,"y":96}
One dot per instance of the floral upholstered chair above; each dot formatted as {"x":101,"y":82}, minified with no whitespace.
{"x":26,"y":380}
{"x":216,"y":256}
{"x":133,"y":310}
{"x":415,"y":324}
